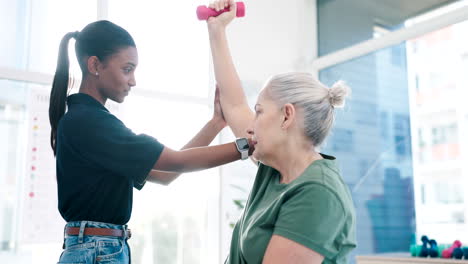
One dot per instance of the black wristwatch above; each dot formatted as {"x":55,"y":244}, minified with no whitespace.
{"x":242,"y":145}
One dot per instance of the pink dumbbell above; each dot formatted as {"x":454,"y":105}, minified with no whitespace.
{"x":447,"y":253}
{"x":203,"y":12}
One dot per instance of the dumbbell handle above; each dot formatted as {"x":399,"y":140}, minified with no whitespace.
{"x":203,"y":12}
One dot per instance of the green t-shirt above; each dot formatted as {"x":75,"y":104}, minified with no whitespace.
{"x":315,"y":210}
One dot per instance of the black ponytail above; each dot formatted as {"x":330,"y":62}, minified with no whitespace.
{"x":101,"y":39}
{"x":58,"y":94}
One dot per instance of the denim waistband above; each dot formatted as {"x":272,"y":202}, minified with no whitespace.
{"x":95,"y":224}
{"x":84,"y":224}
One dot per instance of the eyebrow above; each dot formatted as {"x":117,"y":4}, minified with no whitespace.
{"x":132,"y":64}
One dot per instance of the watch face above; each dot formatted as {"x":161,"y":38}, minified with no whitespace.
{"x":243,"y":143}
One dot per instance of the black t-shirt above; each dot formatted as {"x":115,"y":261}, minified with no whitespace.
{"x":99,"y":161}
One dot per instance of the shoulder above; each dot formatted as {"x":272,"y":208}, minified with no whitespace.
{"x":322,"y":183}
{"x":331,"y":196}
{"x":325,"y":174}
{"x":317,"y":193}
{"x":91,"y":126}
{"x":90,"y":119}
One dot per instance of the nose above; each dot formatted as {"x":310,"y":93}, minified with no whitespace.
{"x":132,"y":81}
{"x":250,"y":130}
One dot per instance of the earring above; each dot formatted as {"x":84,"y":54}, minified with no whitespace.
{"x":97,"y":73}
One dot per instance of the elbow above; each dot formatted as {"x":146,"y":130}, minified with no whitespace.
{"x":162,"y":177}
{"x":171,"y":161}
{"x":167,"y":182}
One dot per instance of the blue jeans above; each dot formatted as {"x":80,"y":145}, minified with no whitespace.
{"x":82,"y":249}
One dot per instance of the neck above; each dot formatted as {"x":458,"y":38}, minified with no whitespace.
{"x":90,"y":89}
{"x":292,"y":162}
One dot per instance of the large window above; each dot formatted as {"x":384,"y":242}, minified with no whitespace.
{"x":439,"y":112}
{"x":372,"y":140}
{"x":399,"y":139}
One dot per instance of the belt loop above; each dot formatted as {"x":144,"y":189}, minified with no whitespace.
{"x":124,"y":227}
{"x":82,"y":229}
{"x":64,"y":235}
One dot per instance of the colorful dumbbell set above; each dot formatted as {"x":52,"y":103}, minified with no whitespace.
{"x":429,"y":248}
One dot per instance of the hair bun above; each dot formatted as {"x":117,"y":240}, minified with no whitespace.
{"x":75,"y":34}
{"x":337,"y":93}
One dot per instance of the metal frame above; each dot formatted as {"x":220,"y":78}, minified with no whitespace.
{"x":392,"y":38}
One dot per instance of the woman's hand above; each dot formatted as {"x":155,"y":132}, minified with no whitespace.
{"x":220,"y":22}
{"x":218,"y":116}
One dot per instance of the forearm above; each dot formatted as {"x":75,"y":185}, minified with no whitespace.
{"x":226,"y":75}
{"x":212,"y":157}
{"x":203,"y":138}
{"x":206,"y":135}
{"x":195,"y":159}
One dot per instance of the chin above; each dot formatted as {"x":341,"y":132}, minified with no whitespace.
{"x":257,"y":155}
{"x":264,"y":158}
{"x":119,"y":100}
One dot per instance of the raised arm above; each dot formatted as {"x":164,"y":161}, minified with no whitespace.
{"x":233,"y":100}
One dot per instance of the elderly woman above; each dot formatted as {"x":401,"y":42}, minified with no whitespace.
{"x":299,"y":210}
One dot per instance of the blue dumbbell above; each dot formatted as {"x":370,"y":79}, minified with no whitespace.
{"x":424,"y":250}
{"x":465,"y":252}
{"x":433,"y":251}
{"x":457,"y":253}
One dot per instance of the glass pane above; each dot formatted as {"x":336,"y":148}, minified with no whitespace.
{"x":50,"y":21}
{"x":437,"y":64}
{"x":31,"y":225}
{"x":172,"y":59}
{"x":12,"y":124}
{"x":170,"y":222}
{"x":13,"y":26}
{"x":343,"y":23}
{"x":399,"y":140}
{"x":372,"y":141}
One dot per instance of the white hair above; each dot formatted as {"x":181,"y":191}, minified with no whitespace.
{"x":316,"y":100}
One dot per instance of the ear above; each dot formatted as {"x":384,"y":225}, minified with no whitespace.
{"x":93,"y":65}
{"x":289,"y":115}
